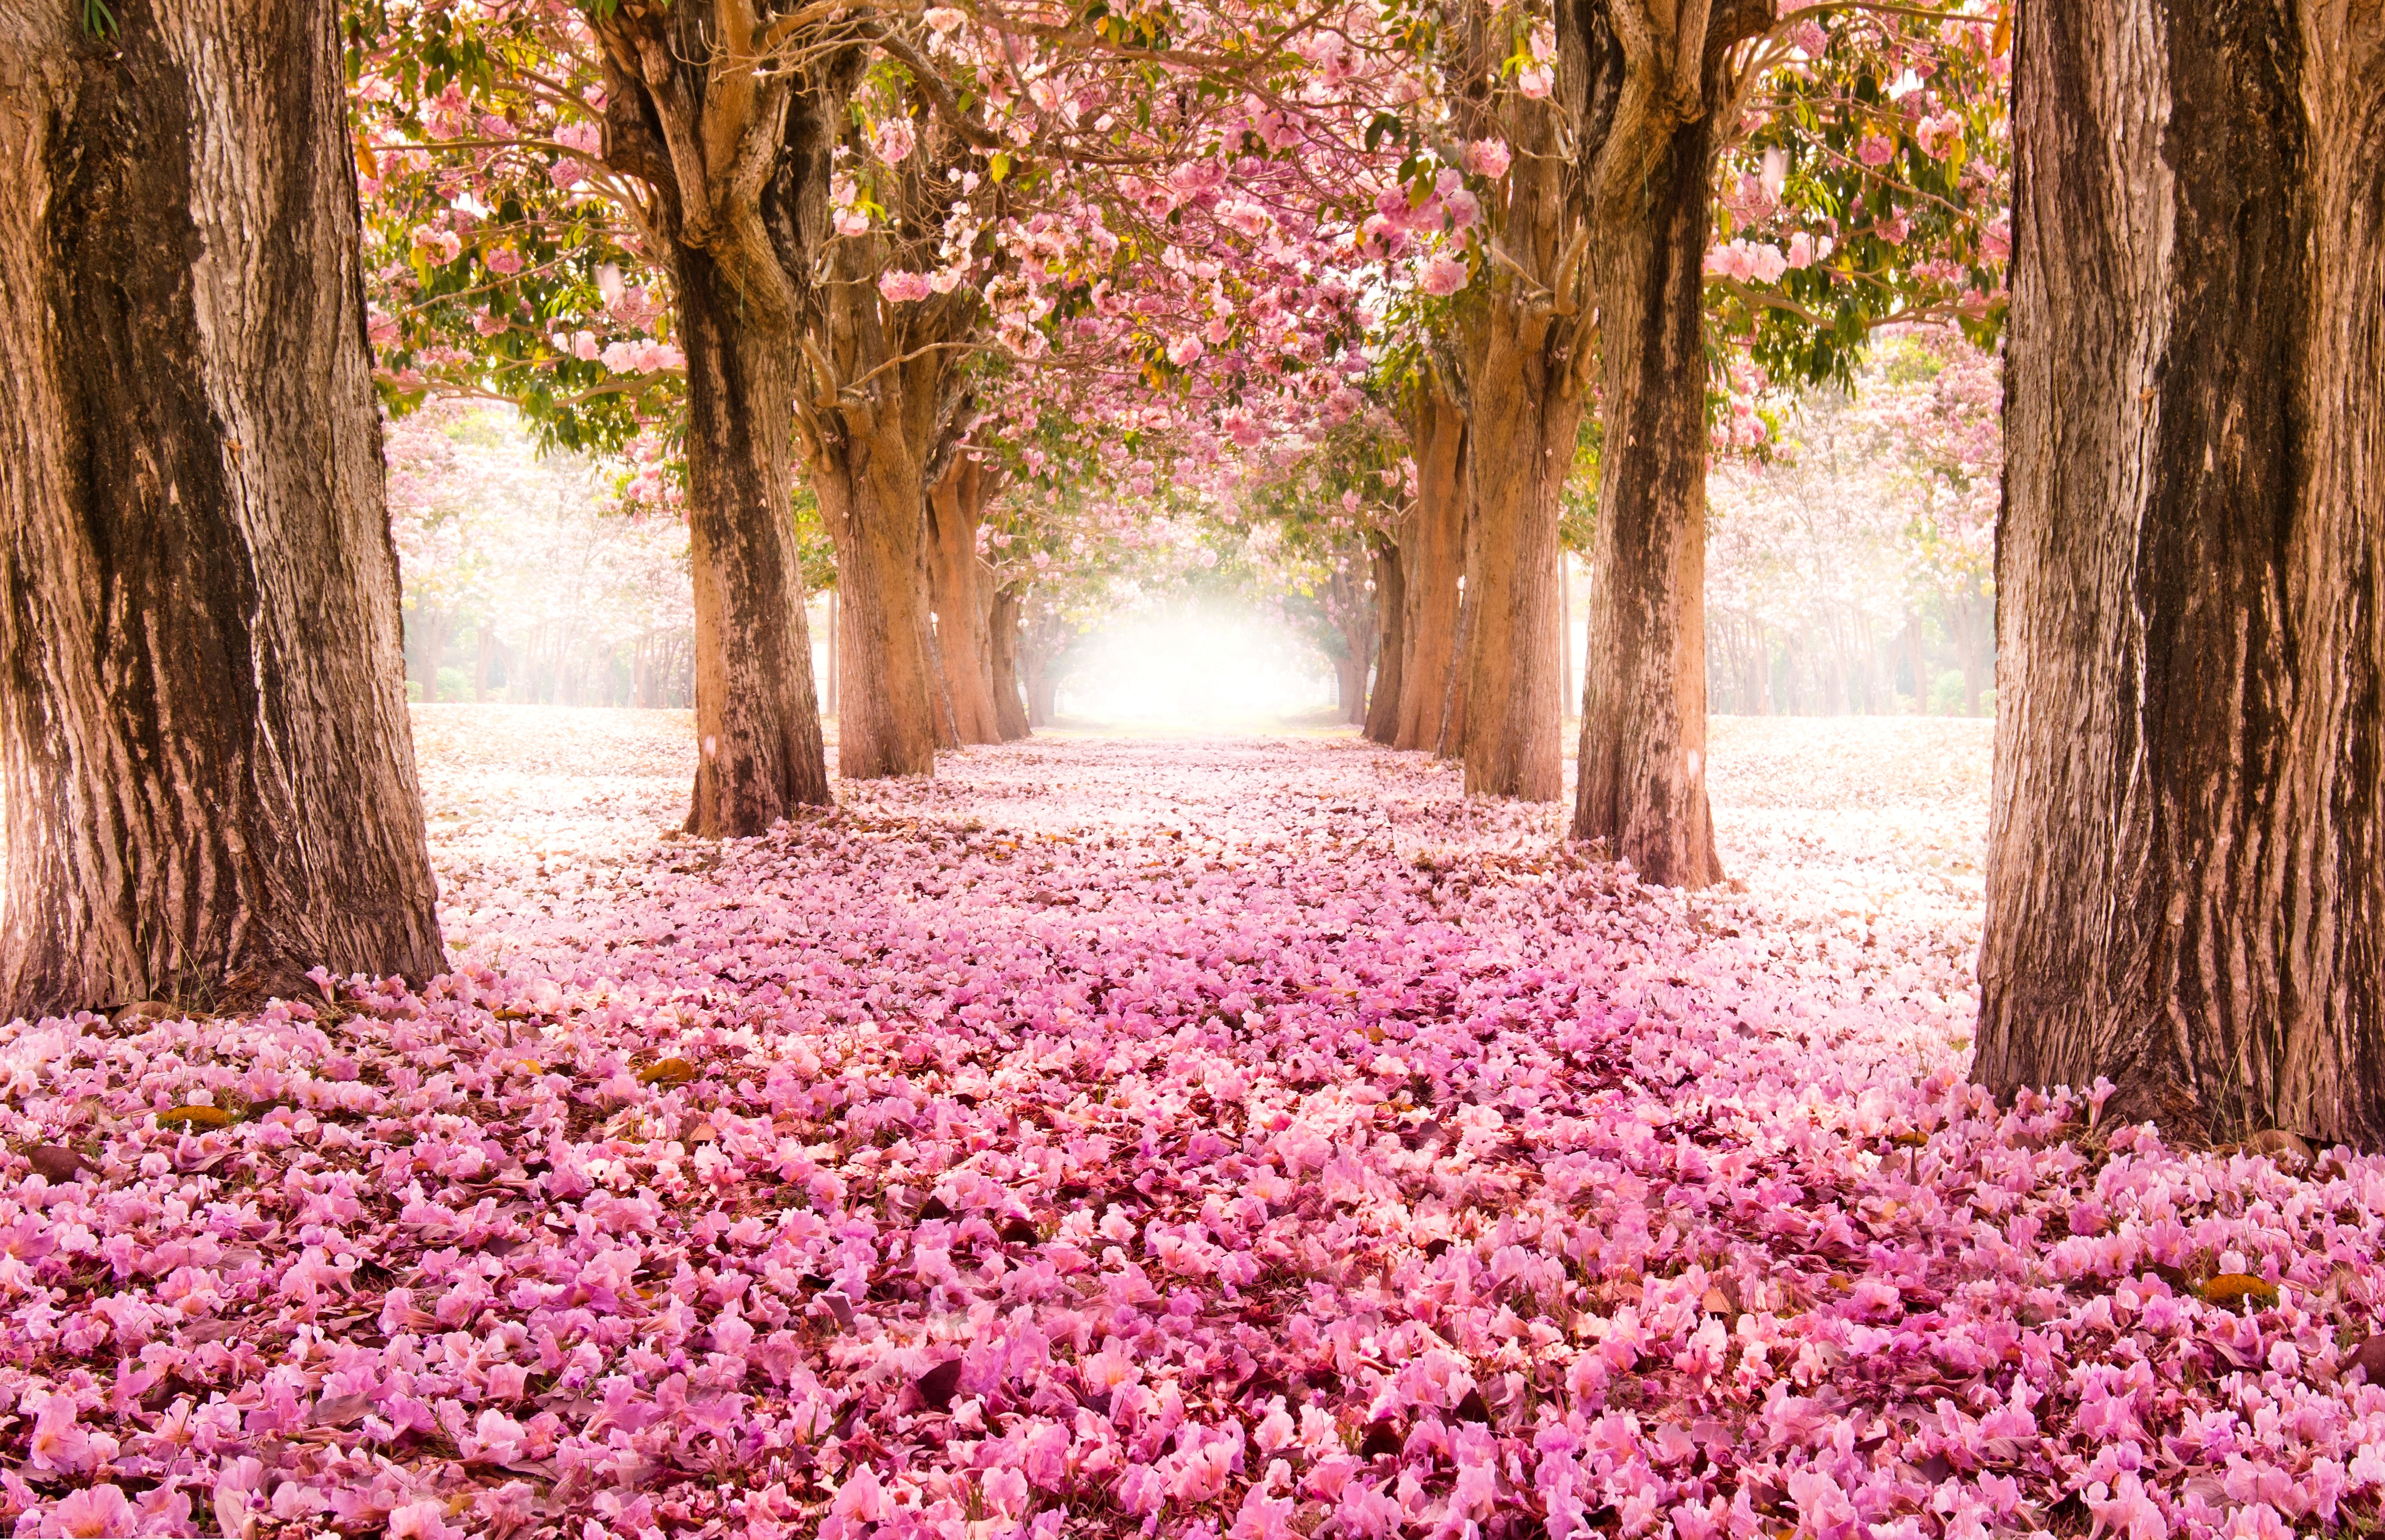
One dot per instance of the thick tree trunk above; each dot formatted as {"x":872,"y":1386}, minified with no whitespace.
{"x":1432,"y":561}
{"x":2186,"y":864}
{"x":1520,"y":446}
{"x":206,"y":775}
{"x":872,"y":500}
{"x":953,"y":511}
{"x":1002,"y":652}
{"x":757,"y":716}
{"x":1642,"y":787}
{"x":1391,"y":640}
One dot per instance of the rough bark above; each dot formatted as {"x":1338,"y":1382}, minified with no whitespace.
{"x":1521,"y":448}
{"x":1647,"y":151}
{"x":1433,"y":560}
{"x":206,"y":774}
{"x":1391,"y":640}
{"x":955,"y":574}
{"x":1517,"y":328}
{"x":733,"y":117}
{"x":2186,"y":867}
{"x":886,"y":723}
{"x":1002,"y":630}
{"x":760,"y":753}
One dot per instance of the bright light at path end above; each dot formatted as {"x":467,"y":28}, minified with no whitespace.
{"x":1204,"y":667}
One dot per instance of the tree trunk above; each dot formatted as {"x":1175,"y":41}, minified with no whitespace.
{"x":1350,"y":688}
{"x":1642,"y":787}
{"x":1432,"y":561}
{"x":1520,"y":448}
{"x":206,"y":774}
{"x":486,"y":642}
{"x":757,"y":717}
{"x":1002,"y":653}
{"x":1046,"y":639}
{"x":1449,"y":738}
{"x":2186,"y":863}
{"x":953,"y":511}
{"x":873,"y":502}
{"x":1390,"y":642}
{"x":1971,"y":616}
{"x":427,"y":644}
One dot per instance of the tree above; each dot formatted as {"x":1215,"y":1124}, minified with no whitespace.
{"x":205,"y":759}
{"x":955,"y":573}
{"x":467,"y":107}
{"x":2186,"y":861}
{"x":1433,"y":560}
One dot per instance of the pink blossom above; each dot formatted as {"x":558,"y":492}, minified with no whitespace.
{"x":59,"y":1442}
{"x":1875,"y":149}
{"x":639,"y":357}
{"x":894,"y":140}
{"x":1938,"y":135}
{"x":900,"y":287}
{"x":95,"y":1510}
{"x":1442,"y":274}
{"x":1488,"y":157}
{"x":422,"y":1521}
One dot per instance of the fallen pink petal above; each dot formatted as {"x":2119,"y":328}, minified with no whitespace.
{"x":1330,"y":1103}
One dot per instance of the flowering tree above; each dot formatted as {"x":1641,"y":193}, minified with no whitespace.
{"x":870,"y":198}
{"x":2184,"y":867}
{"x":1780,"y":121}
{"x":197,"y":603}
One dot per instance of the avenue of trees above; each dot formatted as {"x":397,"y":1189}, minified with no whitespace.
{"x":995,"y":288}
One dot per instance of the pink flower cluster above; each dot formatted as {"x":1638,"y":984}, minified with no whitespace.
{"x":1238,"y":1139}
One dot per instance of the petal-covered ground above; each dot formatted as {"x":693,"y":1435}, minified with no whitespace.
{"x":1240,"y":1137}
